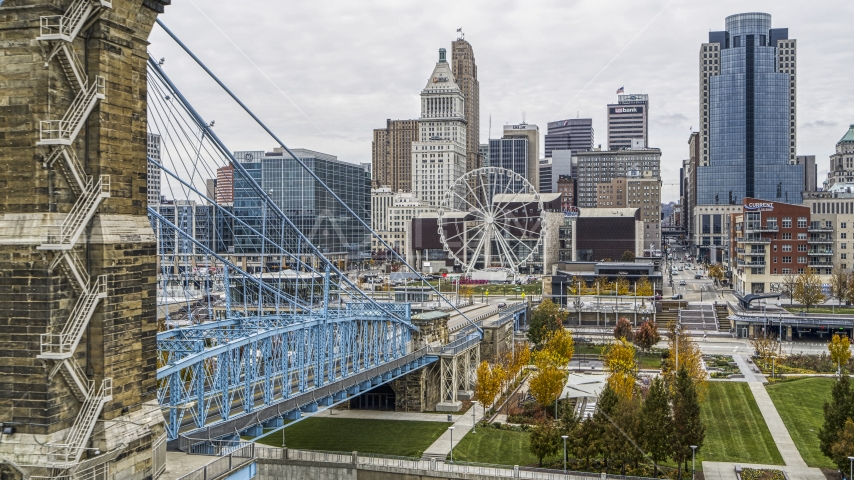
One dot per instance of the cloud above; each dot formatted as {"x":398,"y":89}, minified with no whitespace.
{"x":343,"y":68}
{"x":819,"y":124}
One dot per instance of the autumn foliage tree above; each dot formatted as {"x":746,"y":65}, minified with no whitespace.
{"x":623,"y":329}
{"x":622,"y":368}
{"x":807,"y":290}
{"x":647,"y":335}
{"x":840,"y":350}
{"x":644,"y":287}
{"x":547,"y":318}
{"x":685,"y":352}
{"x":490,"y":379}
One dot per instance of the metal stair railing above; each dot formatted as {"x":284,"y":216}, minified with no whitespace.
{"x":66,"y":26}
{"x":74,"y":268}
{"x":62,"y":345}
{"x":71,"y":66}
{"x":73,"y":170}
{"x":65,"y":130}
{"x":76,"y":378}
{"x":73,"y":446}
{"x":64,"y":236}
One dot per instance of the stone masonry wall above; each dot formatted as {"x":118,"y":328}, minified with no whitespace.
{"x":120,"y":342}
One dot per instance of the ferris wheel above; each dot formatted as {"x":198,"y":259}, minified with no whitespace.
{"x":491,"y":218}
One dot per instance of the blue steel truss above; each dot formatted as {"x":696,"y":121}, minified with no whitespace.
{"x":236,"y":339}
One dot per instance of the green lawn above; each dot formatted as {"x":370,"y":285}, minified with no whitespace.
{"x":645,"y":360}
{"x":502,"y":289}
{"x":389,"y":437}
{"x":500,"y":447}
{"x":800,"y":405}
{"x":735,"y":429}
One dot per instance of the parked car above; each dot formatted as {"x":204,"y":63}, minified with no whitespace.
{"x":677,"y":296}
{"x":681,"y":282}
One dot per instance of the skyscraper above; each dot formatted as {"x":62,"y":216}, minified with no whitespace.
{"x":574,"y":134}
{"x":842,"y":162}
{"x":532,"y":133}
{"x":391,"y":155}
{"x":628,"y":120}
{"x":439,"y":156}
{"x":465,"y":74}
{"x":153,"y":177}
{"x":747,"y":114}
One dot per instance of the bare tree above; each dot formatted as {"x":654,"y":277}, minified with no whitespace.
{"x":839,"y":284}
{"x":807,"y":289}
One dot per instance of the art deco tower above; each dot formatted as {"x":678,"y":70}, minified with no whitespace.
{"x":465,"y":74}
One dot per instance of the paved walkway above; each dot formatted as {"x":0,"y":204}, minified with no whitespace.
{"x":387,"y":415}
{"x":442,"y":446}
{"x":778,"y":429}
{"x":179,"y":464}
{"x":726,"y":471}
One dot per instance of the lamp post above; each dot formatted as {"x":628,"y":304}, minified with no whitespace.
{"x":850,"y":467}
{"x":452,"y":443}
{"x":473,"y":417}
{"x":564,"y":437}
{"x":693,"y":456}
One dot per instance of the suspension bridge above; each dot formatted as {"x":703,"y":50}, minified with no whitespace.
{"x":151,"y":310}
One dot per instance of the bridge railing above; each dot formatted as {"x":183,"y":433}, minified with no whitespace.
{"x":222,"y":465}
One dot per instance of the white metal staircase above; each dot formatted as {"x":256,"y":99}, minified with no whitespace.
{"x":65,"y":235}
{"x":58,"y":346}
{"x":72,"y":448}
{"x":56,"y":36}
{"x":67,"y":26}
{"x":65,"y":130}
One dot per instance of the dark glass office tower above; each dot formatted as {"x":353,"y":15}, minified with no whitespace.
{"x":748,"y":101}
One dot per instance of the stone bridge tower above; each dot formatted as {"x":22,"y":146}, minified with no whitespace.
{"x":77,"y":253}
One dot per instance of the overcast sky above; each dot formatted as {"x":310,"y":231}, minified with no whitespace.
{"x":324,"y":74}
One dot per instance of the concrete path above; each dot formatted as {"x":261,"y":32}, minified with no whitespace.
{"x":386,"y":415}
{"x":179,"y":464}
{"x":442,"y":446}
{"x":726,"y":471}
{"x":778,"y":429}
{"x":750,"y":375}
{"x":775,"y":424}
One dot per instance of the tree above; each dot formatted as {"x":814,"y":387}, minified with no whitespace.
{"x":547,"y":318}
{"x":840,"y":351}
{"x":765,"y":347}
{"x":621,"y":285}
{"x":647,"y":335}
{"x":628,"y":256}
{"x":465,"y":291}
{"x":716,"y":271}
{"x":547,"y":384}
{"x":622,"y":368}
{"x":836,"y":412}
{"x":839,"y":284}
{"x":560,"y":343}
{"x":657,"y":422}
{"x":490,"y":379}
{"x":789,"y":282}
{"x":624,"y":427}
{"x":602,"y":285}
{"x":644,"y":287}
{"x":684,"y":352}
{"x":807,"y":289}
{"x":587,"y":442}
{"x":623,"y":329}
{"x":688,"y":428}
{"x":843,"y":447}
{"x":545,"y":440}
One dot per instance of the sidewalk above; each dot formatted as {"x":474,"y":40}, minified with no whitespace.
{"x":726,"y":471}
{"x":775,"y":424}
{"x":442,"y":446}
{"x":386,"y":415}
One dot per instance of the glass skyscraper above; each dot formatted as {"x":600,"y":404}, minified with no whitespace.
{"x":748,"y":114}
{"x":311,"y":208}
